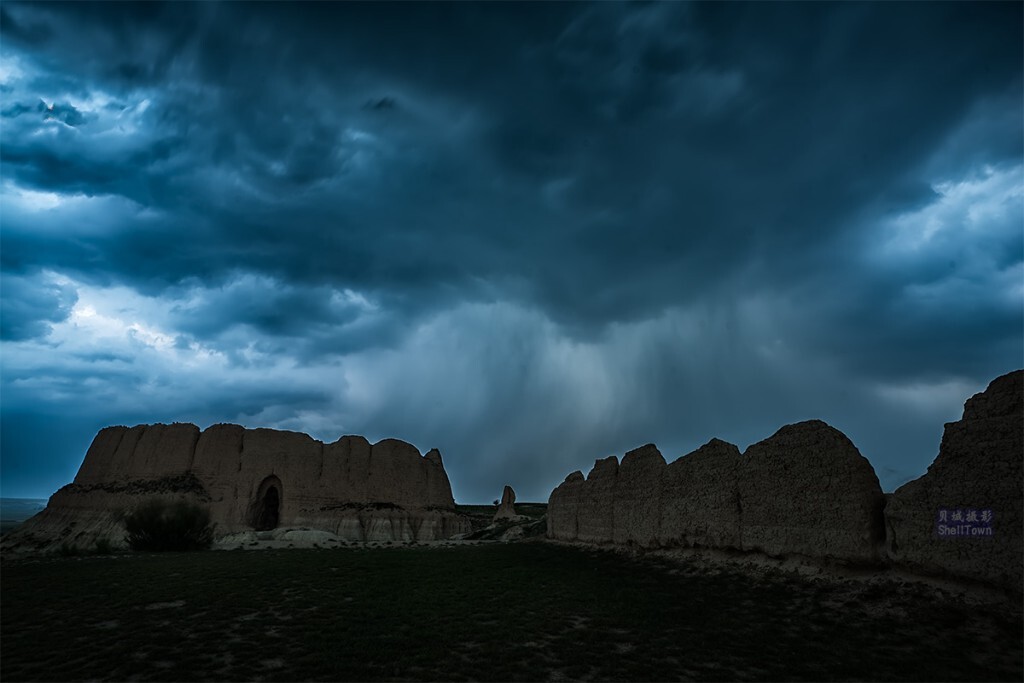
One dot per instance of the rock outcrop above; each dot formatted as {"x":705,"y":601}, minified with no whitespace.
{"x":507,"y":506}
{"x":806,"y":490}
{"x":251,"y":479}
{"x":636,"y":500}
{"x":596,"y":516}
{"x":702,"y":494}
{"x":978,"y":470}
{"x":564,"y":507}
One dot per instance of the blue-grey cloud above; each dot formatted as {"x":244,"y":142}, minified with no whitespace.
{"x":234,"y":189}
{"x":30,"y":303}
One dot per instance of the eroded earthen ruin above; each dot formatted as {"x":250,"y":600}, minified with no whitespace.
{"x":807,"y":491}
{"x":251,"y":480}
{"x":977,"y":477}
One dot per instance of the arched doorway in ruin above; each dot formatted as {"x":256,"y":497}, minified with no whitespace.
{"x":265,"y":509}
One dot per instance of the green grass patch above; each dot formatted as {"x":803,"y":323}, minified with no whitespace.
{"x":525,"y":611}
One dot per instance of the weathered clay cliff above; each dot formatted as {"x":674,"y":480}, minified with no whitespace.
{"x":597,"y":503}
{"x":636,"y":497}
{"x":564,"y":508}
{"x":978,"y":470}
{"x":805,"y":490}
{"x":251,"y":479}
{"x":703,"y":489}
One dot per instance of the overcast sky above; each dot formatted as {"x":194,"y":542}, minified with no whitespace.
{"x":530,"y":235}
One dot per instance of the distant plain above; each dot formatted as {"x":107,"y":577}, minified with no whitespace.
{"x":14,"y":511}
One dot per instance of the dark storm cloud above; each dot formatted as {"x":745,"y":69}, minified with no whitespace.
{"x":639,"y":138}
{"x":304,"y":322}
{"x":64,"y":113}
{"x":32,"y":33}
{"x":30,"y":303}
{"x":383,"y":104}
{"x":58,"y":112}
{"x":820,"y":183}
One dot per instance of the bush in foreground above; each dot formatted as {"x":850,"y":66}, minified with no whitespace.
{"x":158,"y":525}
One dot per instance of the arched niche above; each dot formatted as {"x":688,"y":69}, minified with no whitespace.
{"x":265,"y":507}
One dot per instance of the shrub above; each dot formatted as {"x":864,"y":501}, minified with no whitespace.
{"x":158,"y":525}
{"x":68,"y":550}
{"x":103,"y":546}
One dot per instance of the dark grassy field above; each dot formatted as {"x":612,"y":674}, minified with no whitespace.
{"x":524,"y":611}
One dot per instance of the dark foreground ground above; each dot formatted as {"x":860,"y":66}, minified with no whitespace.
{"x":522,"y":611}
